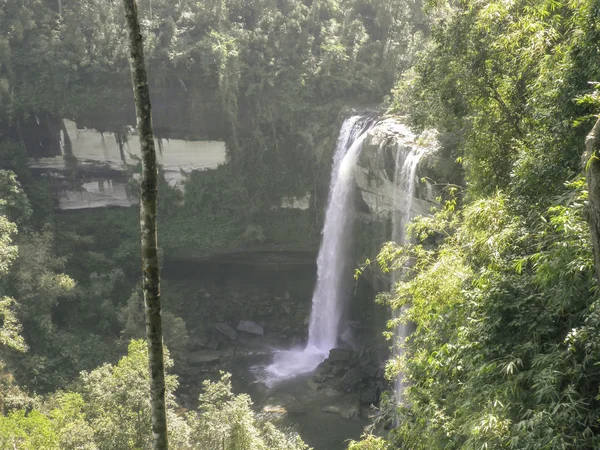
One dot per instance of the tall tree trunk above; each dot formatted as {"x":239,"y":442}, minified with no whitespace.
{"x":148,"y":228}
{"x":592,"y":161}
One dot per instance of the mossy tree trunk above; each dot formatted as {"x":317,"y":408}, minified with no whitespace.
{"x":592,"y":161}
{"x":148,"y":228}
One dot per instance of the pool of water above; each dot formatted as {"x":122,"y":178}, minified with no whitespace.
{"x":274,"y":290}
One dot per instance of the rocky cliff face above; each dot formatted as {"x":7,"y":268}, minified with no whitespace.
{"x":102,"y":163}
{"x":376,"y":170}
{"x":377,"y":178}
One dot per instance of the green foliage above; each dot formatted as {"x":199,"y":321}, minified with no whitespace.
{"x":134,"y":324}
{"x":504,"y":344}
{"x":226,"y":421}
{"x":69,"y":422}
{"x":369,"y":442}
{"x":8,"y":251}
{"x":502,"y":290}
{"x":503,"y":77}
{"x":27,"y":431}
{"x":10,"y":333}
{"x":30,"y":198}
{"x":109,"y":408}
{"x":117,"y":400}
{"x":13,"y":204}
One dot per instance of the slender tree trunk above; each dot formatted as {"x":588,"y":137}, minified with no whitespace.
{"x":148,"y":228}
{"x":592,"y":161}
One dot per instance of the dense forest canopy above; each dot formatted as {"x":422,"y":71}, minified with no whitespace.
{"x":499,"y":281}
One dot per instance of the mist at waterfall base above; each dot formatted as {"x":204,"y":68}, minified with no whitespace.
{"x":407,"y":160}
{"x":332,"y":262}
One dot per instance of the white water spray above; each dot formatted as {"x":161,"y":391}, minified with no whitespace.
{"x":328,"y":297}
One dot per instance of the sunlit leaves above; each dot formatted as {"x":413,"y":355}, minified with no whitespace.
{"x":226,"y":420}
{"x":10,"y":332}
{"x":495,"y":354}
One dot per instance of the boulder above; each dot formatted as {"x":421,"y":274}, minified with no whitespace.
{"x":350,"y":411}
{"x":284,"y":403}
{"x":312,"y":384}
{"x":226,"y":330}
{"x":340,"y":354}
{"x":331,"y":392}
{"x":331,"y":409}
{"x":203,"y":356}
{"x":351,"y":380}
{"x":258,"y":389}
{"x":338,"y":369}
{"x":250,"y":327}
{"x":348,"y":408}
{"x":323,"y":368}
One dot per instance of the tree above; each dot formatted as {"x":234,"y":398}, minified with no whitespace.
{"x":150,"y":283}
{"x":226,"y":421}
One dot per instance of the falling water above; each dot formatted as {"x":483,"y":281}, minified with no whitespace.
{"x":407,"y":160}
{"x":328,"y":297}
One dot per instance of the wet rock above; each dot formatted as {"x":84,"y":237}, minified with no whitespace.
{"x":226,"y":330}
{"x":371,"y":370}
{"x":251,"y":327}
{"x":274,"y":409}
{"x":350,"y":411}
{"x":331,"y":392}
{"x":323,"y":368}
{"x":319,"y":379}
{"x":338,"y":369}
{"x":213,"y":343}
{"x":331,"y":409}
{"x":258,"y":390}
{"x":312,"y":384}
{"x":203,"y":356}
{"x":197,"y":342}
{"x":228,"y":352}
{"x":351,"y":380}
{"x":236,"y":301}
{"x":369,"y":411}
{"x":369,"y":395}
{"x":241,"y":351}
{"x":340,"y":354}
{"x":285,"y":403}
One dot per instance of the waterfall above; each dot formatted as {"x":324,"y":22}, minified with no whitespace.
{"x":332,"y":262}
{"x":407,"y":160}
